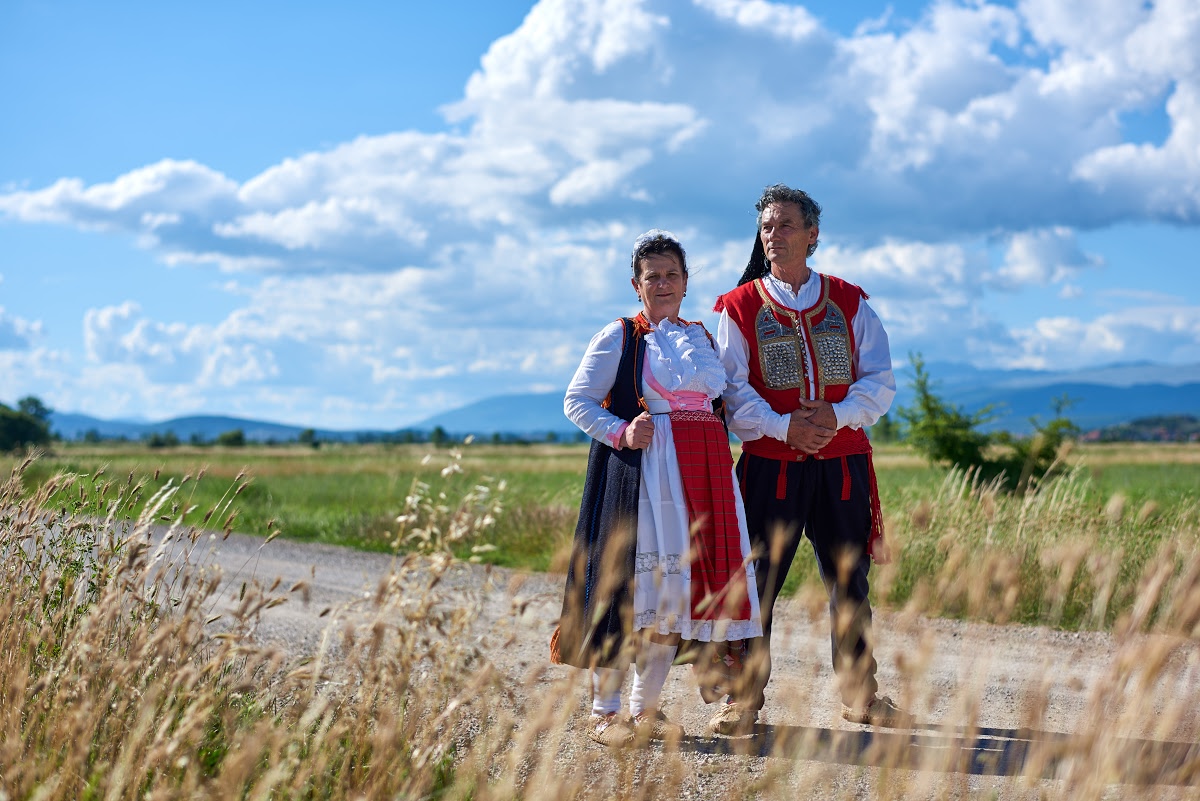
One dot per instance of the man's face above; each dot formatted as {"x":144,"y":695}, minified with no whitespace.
{"x":784,"y":235}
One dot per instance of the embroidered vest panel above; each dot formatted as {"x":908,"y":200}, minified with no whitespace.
{"x":831,"y":344}
{"x":779,"y":340}
{"x":780,"y":351}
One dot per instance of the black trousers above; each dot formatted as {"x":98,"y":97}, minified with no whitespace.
{"x":829,"y":502}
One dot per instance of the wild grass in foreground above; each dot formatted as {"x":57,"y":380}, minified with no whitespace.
{"x":130,"y":669}
{"x":1056,"y":555}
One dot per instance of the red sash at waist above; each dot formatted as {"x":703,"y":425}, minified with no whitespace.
{"x":846,"y":442}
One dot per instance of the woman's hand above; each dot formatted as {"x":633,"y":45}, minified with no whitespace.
{"x":639,"y":432}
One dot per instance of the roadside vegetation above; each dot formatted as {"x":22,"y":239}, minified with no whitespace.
{"x":1125,"y":498}
{"x":129,"y":667}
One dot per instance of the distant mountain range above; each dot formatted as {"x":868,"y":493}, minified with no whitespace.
{"x":1100,"y":396}
{"x":206,"y":428}
{"x":1103,"y":396}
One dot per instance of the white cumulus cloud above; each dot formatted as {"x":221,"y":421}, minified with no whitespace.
{"x":1171,"y":333}
{"x":16,"y":332}
{"x":1042,"y":257}
{"x":774,"y":19}
{"x":958,"y":158}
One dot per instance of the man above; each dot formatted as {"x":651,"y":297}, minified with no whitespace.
{"x":809,"y":367}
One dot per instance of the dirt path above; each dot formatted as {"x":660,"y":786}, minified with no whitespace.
{"x":987,"y":699}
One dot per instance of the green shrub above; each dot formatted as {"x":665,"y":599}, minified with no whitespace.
{"x":232,"y":439}
{"x":20,"y":430}
{"x":947,"y":435}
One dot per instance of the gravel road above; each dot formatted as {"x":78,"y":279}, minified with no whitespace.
{"x":988,"y":698}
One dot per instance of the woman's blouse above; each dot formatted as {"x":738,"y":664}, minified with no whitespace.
{"x":681,"y":371}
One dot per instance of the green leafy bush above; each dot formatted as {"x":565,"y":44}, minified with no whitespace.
{"x":946,"y":434}
{"x":20,"y":430}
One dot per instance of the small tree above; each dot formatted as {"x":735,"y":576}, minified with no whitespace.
{"x":941,"y":431}
{"x":19,"y":430}
{"x":308,"y":437}
{"x":439,"y":437}
{"x":235,"y":438}
{"x":1036,"y":457}
{"x":33,"y":406}
{"x":947,"y":435}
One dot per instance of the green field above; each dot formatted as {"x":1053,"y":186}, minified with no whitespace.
{"x":1118,"y":499}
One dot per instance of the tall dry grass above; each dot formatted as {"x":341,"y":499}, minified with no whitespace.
{"x":126,"y":674}
{"x":130,"y":668}
{"x":1053,"y":555}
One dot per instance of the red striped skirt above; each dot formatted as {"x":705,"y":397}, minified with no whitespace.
{"x":719,"y":590}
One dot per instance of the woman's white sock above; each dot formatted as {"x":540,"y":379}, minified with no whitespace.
{"x":649,"y":676}
{"x":606,"y":690}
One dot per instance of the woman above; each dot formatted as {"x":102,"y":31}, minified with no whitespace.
{"x":661,"y":550}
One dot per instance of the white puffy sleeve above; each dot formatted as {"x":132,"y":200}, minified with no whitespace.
{"x":592,"y":382}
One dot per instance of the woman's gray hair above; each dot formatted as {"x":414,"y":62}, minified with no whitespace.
{"x":656,"y":240}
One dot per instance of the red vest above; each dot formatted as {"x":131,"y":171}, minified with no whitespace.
{"x":780,"y":338}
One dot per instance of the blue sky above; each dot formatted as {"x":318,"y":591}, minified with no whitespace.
{"x":359,"y":216}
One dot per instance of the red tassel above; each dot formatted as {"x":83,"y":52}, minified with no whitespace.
{"x":875,"y":543}
{"x":781,"y":484}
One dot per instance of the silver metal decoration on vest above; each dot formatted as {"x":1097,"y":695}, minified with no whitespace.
{"x":831,"y":341}
{"x":780,"y":352}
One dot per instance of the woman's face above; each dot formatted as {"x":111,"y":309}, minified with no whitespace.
{"x":661,"y":284}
